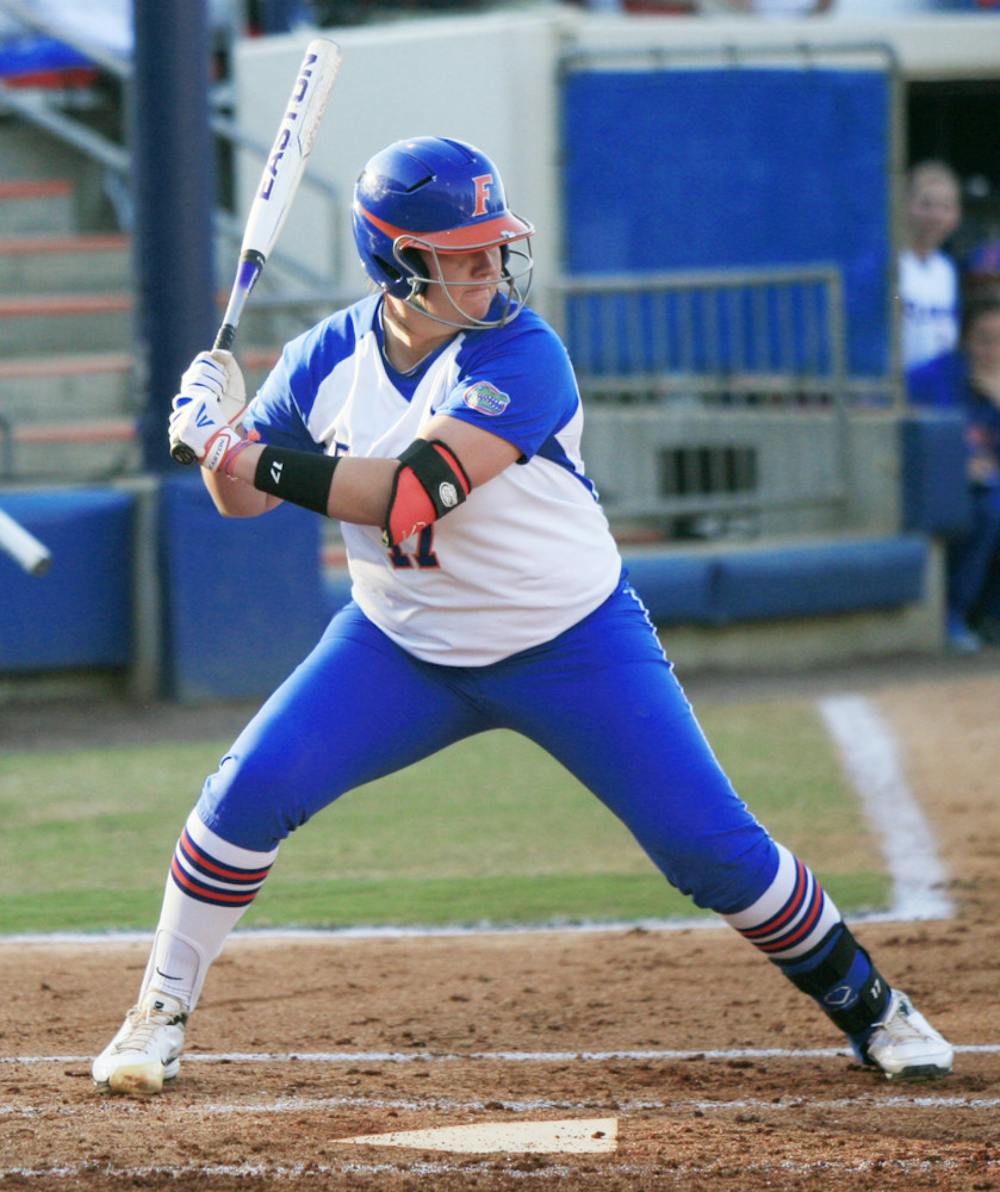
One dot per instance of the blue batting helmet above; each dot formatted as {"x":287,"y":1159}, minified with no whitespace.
{"x":439,"y":195}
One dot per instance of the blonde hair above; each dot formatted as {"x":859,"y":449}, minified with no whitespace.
{"x":932,"y":170}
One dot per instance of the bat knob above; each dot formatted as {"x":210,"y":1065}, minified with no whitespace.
{"x":181,"y":453}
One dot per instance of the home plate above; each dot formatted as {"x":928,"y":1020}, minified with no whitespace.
{"x":574,"y":1137}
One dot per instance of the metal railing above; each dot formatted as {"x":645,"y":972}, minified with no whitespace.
{"x":44,"y":111}
{"x":716,"y":401}
{"x":733,"y":332}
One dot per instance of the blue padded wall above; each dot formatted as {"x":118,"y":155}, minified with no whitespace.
{"x":675,"y":588}
{"x":79,"y":613}
{"x":243,"y":599}
{"x":829,"y":578}
{"x":770,"y":583}
{"x":701,"y":169}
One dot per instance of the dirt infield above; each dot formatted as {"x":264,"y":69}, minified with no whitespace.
{"x":659,"y":1030}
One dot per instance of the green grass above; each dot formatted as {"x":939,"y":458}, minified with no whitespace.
{"x":490,"y":830}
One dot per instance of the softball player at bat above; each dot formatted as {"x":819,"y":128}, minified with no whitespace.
{"x":439,"y":420}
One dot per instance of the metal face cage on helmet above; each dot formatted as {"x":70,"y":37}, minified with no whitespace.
{"x":439,"y":196}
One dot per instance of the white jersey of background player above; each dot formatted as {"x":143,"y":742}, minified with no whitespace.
{"x":928,"y":278}
{"x":440,"y":421}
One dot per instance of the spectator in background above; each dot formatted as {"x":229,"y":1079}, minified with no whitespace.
{"x":968,"y":381}
{"x":928,"y":278}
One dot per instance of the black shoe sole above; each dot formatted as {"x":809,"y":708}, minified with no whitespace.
{"x":921,"y":1072}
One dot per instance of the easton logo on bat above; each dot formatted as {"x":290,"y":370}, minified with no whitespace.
{"x":281,"y":144}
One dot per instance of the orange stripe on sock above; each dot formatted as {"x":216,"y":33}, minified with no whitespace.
{"x":801,"y":932}
{"x":205,"y":891}
{"x":245,"y":875}
{"x":790,"y":911}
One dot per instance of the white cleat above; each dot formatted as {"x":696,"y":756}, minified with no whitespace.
{"x":905,"y":1046}
{"x":146,"y":1051}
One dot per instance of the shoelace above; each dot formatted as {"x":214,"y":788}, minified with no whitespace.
{"x":899,"y":1028}
{"x":143,"y":1024}
{"x":903,"y":1029}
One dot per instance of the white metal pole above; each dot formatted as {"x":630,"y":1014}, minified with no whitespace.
{"x":23,"y":548}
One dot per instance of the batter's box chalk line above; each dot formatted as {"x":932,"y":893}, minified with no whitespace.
{"x":870,"y":758}
{"x":871,"y":1102}
{"x":708,"y":1054}
{"x":428,"y":1169}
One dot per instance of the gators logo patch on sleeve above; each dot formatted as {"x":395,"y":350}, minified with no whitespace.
{"x":486,"y":398}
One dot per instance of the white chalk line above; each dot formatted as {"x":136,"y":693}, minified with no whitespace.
{"x":325,"y":934}
{"x":502,"y":1057}
{"x":870,"y":756}
{"x":623,"y":1108}
{"x":276,"y":1171}
{"x":510,"y":1171}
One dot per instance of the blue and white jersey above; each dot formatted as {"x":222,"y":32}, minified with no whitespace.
{"x":929,"y":290}
{"x":529,"y":554}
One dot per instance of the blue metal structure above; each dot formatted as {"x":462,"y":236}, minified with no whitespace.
{"x":173,"y":182}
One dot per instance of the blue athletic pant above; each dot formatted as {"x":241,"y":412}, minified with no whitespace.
{"x":601,"y":698}
{"x":972,"y":557}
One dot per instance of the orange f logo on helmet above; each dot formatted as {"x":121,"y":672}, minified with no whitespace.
{"x":484,"y":184}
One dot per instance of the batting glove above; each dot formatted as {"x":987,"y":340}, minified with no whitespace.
{"x":212,"y":398}
{"x":214,"y":375}
{"x":197,"y":424}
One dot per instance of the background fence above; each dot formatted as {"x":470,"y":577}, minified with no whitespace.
{"x":716,"y":400}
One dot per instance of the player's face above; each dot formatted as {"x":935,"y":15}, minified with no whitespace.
{"x":467,"y":283}
{"x":982,"y":342}
{"x":934,"y":211}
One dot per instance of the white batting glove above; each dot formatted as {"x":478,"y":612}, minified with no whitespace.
{"x":197,"y":423}
{"x":217,"y":375}
{"x":212,"y":398}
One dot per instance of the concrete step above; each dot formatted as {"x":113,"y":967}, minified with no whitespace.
{"x":96,"y":450}
{"x":37,"y":324}
{"x":41,"y":324}
{"x":31,"y":206}
{"x":62,"y":264}
{"x":90,"y":385}
{"x":79,"y":386}
{"x":72,"y":417}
